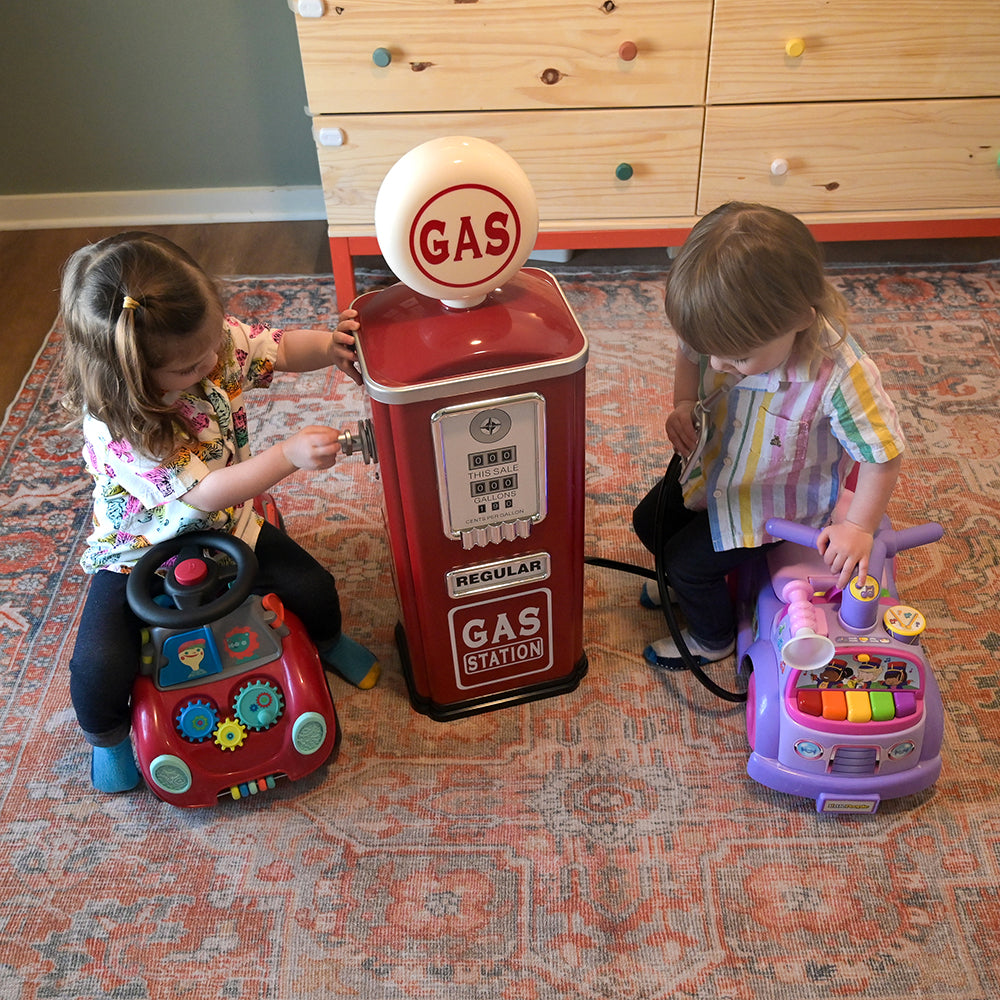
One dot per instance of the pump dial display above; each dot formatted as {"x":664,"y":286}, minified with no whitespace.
{"x":500,"y":485}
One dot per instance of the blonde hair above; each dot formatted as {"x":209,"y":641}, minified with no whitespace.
{"x":745,"y":275}
{"x":127,"y":305}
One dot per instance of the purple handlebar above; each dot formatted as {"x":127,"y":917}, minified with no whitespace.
{"x":859,"y":609}
{"x":910,"y":538}
{"x":790,"y":531}
{"x":894,"y":541}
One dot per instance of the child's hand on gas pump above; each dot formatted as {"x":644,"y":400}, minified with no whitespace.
{"x":313,"y":447}
{"x":342,"y":352}
{"x":680,"y":427}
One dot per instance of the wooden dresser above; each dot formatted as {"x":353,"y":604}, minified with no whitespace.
{"x":634,"y":117}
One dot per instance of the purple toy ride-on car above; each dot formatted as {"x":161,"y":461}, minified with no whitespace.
{"x":842,"y":706}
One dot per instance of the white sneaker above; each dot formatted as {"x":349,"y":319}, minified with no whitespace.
{"x":664,"y":654}
{"x":650,"y":595}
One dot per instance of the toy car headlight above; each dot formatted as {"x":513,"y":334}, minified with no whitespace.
{"x":808,"y":749}
{"x":170,"y":773}
{"x":308,"y":733}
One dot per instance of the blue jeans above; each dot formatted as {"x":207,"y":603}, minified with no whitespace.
{"x":106,"y":655}
{"x":694,"y":569}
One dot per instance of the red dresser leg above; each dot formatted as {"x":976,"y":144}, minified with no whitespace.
{"x":343,"y":271}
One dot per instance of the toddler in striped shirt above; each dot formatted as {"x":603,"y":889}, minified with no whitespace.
{"x":774,"y":403}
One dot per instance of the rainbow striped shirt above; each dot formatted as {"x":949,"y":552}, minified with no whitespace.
{"x":780,"y":441}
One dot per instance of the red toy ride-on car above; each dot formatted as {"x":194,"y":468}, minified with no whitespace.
{"x":231,"y":693}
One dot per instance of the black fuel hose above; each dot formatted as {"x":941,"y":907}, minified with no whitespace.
{"x":659,"y":574}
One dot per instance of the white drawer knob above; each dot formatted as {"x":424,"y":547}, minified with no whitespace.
{"x":779,"y":167}
{"x":331,"y":136}
{"x":308,"y":8}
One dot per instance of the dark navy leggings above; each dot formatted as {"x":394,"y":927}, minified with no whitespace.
{"x":106,"y":656}
{"x":695,"y":570}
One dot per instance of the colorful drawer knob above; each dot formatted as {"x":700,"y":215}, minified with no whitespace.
{"x":627,"y":51}
{"x":624,"y":171}
{"x":381,"y":57}
{"x":794,"y":47}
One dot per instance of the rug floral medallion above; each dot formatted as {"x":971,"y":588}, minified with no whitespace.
{"x":605,"y":843}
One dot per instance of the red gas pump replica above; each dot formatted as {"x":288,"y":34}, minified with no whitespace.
{"x":475,"y":371}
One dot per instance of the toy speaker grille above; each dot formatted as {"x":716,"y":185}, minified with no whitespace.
{"x":309,"y":733}
{"x":170,"y":773}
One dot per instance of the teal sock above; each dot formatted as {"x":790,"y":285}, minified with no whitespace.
{"x":352,"y":661}
{"x":112,"y":769}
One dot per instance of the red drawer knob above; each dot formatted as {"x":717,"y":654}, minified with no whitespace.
{"x":627,"y":51}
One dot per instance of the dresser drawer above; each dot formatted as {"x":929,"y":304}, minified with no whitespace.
{"x":854,"y":50}
{"x":504,"y":54}
{"x":571,"y":158}
{"x":890,"y":157}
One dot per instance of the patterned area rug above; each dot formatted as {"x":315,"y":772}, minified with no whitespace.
{"x":601,"y":844}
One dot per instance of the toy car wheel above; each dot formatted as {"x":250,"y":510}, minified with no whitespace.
{"x":752,"y":712}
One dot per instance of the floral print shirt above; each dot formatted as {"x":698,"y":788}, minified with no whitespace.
{"x":138,"y":500}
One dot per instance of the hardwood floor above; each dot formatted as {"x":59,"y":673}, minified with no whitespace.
{"x":31,"y":260}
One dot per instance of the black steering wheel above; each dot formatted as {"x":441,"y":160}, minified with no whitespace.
{"x":194,"y":582}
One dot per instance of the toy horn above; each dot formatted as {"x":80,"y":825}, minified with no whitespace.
{"x":806,"y":649}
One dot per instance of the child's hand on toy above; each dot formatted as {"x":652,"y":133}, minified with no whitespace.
{"x":681,"y":430}
{"x":313,"y":447}
{"x":844,"y":546}
{"x":342,"y":352}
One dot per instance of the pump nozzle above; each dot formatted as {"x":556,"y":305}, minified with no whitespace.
{"x":364,"y":441}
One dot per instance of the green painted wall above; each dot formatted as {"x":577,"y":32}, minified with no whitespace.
{"x":99,"y":95}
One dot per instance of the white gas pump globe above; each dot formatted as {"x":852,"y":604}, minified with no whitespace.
{"x":455,"y":218}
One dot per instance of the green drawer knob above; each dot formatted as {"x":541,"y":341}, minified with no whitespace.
{"x":624,"y":171}
{"x":381,"y":57}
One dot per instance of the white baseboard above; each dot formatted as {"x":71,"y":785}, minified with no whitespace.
{"x":144,"y":208}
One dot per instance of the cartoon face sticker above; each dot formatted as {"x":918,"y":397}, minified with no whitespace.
{"x":895,"y":675}
{"x":833,"y":674}
{"x":191,"y":655}
{"x":868,"y":669}
{"x":242,"y":642}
